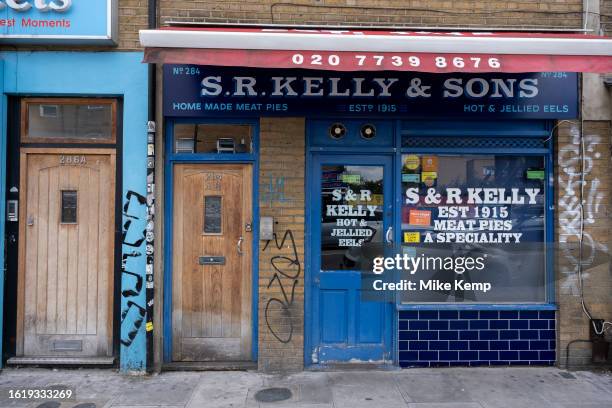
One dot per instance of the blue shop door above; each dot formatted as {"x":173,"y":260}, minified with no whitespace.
{"x":352,"y":214}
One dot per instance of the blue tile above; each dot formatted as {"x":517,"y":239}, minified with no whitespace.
{"x":428,"y":335}
{"x":418,"y":325}
{"x":409,"y":314}
{"x":417,"y":345}
{"x":519,"y":345}
{"x":458,"y":364}
{"x":553,"y":344}
{"x":478,"y":363}
{"x":552,"y":324}
{"x":548,"y":355}
{"x":468,"y":335}
{"x":402,"y":345}
{"x":413,"y":363}
{"x":459,"y":325}
{"x":408,"y":335}
{"x":538,"y":345}
{"x":528,"y":355}
{"x":538,"y":324}
{"x":529,"y":334}
{"x":449,"y":314}
{"x":547,"y":314}
{"x":528,"y":314}
{"x":449,"y":355}
{"x":479,"y":345}
{"x":548,"y":335}
{"x":439,"y":364}
{"x":458,"y":345}
{"x":438,"y":325}
{"x":428,"y":355}
{"x":408,"y":355}
{"x":479,"y":324}
{"x":499,"y":324}
{"x":468,"y":355}
{"x":488,"y":355}
{"x":449,"y":335}
{"x":508,"y":314}
{"x":508,"y":355}
{"x":403,"y":325}
{"x":438,"y":345}
{"x":499,"y":345}
{"x":428,"y":314}
{"x":519,"y":363}
{"x":519,"y":324}
{"x":468,"y":314}
{"x":508,"y":334}
{"x":489,"y":335}
{"x":489,"y":314}
{"x":500,"y":363}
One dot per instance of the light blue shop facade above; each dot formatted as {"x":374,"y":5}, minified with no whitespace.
{"x":73,"y":181}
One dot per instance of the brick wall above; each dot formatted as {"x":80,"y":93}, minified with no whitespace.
{"x":605,"y":9}
{"x":450,"y":13}
{"x":596,"y":266}
{"x":281,"y":264}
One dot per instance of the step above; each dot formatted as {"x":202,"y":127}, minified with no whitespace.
{"x":76,"y":361}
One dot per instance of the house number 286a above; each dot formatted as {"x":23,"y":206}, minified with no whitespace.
{"x":73,"y":160}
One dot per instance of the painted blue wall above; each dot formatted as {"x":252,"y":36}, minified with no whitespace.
{"x":118,"y":74}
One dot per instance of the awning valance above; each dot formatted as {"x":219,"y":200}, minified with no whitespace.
{"x":349,"y":50}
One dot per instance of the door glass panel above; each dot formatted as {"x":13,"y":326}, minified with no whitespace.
{"x":212,"y":138}
{"x":212,"y":215}
{"x":69,"y":207}
{"x":351,"y":214}
{"x":79,"y":120}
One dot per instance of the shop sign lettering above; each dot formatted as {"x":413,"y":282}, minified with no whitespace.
{"x":58,"y":6}
{"x":351,"y":225}
{"x":199,"y":91}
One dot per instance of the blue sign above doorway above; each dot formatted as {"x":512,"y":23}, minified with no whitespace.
{"x":191,"y":90}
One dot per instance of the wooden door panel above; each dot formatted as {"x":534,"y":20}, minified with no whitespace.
{"x":211,"y":303}
{"x":66,"y":268}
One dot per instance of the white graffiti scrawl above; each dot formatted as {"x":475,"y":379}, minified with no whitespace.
{"x":570,"y":183}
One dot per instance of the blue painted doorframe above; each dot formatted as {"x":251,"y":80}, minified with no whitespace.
{"x":211,"y":158}
{"x":336,"y":315}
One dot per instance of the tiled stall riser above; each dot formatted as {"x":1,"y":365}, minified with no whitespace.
{"x":431,"y":338}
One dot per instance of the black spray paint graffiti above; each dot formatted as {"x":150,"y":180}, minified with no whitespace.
{"x":133,"y":236}
{"x":288,"y":267}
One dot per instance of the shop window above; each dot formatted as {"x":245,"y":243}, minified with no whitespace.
{"x":213,"y":138}
{"x":352,"y":214}
{"x":69,"y":207}
{"x":488,"y":208}
{"x":212,"y":214}
{"x":68,"y":120}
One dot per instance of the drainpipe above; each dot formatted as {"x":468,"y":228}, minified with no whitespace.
{"x":150,"y":289}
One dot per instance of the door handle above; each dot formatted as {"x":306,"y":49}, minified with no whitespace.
{"x":239,"y":245}
{"x":30,"y":221}
{"x":389,"y":235}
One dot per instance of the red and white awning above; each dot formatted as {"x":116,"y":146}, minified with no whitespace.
{"x":349,"y":50}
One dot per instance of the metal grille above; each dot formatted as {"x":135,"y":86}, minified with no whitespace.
{"x":473,"y":142}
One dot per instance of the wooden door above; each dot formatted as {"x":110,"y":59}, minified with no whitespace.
{"x":211,"y":274}
{"x":65,"y":285}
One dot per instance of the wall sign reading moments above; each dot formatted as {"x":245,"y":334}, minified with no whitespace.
{"x":58,"y":21}
{"x":201,"y":91}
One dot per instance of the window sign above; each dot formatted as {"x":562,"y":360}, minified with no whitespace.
{"x":351,"y":210}
{"x":58,"y":21}
{"x":483,"y":216}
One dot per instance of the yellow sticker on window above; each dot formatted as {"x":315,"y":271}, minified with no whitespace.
{"x":412,"y":237}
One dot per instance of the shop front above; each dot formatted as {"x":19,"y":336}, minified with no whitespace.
{"x":319,"y":213}
{"x":73,"y":153}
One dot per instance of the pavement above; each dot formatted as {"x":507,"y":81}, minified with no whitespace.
{"x":508,"y":387}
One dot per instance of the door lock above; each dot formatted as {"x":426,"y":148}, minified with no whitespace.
{"x":248,"y":227}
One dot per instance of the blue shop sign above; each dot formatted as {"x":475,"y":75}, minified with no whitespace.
{"x":58,"y":21}
{"x":212,"y":91}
